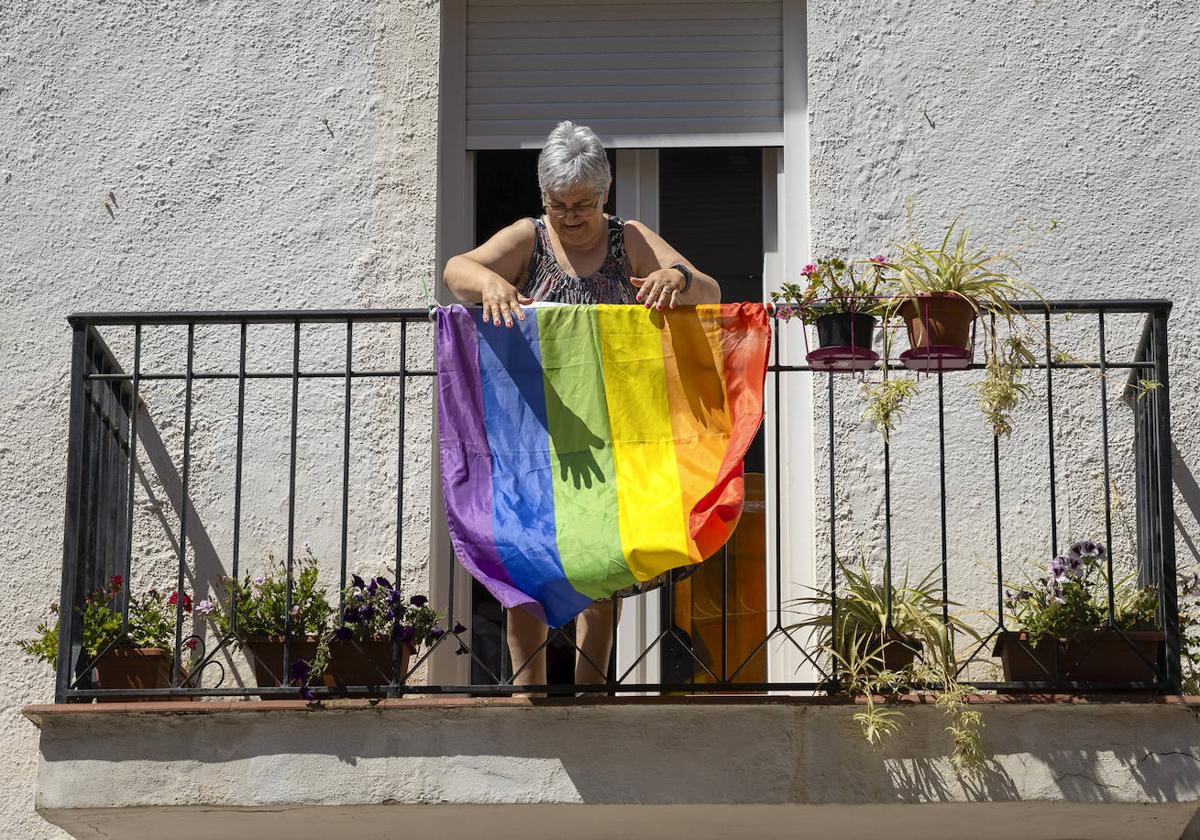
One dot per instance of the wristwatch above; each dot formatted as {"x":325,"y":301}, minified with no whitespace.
{"x":687,"y":275}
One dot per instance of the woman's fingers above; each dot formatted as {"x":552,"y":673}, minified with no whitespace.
{"x":650,"y":291}
{"x":674,"y":298}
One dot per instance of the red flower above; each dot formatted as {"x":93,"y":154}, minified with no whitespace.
{"x":117,"y":580}
{"x":190,"y":644}
{"x":187,"y":602}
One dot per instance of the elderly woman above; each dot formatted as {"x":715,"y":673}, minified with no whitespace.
{"x":573,"y":254}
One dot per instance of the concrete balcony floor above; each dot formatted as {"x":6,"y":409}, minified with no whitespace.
{"x":646,"y":767}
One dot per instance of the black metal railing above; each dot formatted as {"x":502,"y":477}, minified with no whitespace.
{"x":109,"y":409}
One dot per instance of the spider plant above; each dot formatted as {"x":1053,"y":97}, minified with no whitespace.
{"x":864,"y":639}
{"x":980,"y":278}
{"x":861,"y":607}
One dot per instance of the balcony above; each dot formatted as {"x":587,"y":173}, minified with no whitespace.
{"x":202,"y":442}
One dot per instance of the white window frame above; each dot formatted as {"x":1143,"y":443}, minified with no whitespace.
{"x":786,"y":249}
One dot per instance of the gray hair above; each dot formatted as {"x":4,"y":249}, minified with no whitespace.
{"x":573,"y":154}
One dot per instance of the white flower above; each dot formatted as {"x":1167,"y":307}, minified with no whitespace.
{"x":205,"y":607}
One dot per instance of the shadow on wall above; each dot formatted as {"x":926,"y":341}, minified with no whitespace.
{"x":1185,"y":482}
{"x":206,"y":568}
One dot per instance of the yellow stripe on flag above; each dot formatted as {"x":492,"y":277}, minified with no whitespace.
{"x":652,"y":518}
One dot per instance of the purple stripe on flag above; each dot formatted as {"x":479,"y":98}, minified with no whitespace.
{"x":466,"y":459}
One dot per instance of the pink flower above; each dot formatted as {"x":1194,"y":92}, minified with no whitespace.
{"x":878,"y":259}
{"x":785,"y":312}
{"x":809,"y":270}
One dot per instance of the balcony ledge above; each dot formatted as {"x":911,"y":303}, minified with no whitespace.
{"x":132,"y":769}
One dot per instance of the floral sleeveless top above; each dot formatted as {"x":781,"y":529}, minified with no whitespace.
{"x":547,"y":281}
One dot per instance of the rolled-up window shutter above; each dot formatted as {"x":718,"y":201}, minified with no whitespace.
{"x":653,"y":74}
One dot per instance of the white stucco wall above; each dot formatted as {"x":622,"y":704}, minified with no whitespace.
{"x":283,"y":155}
{"x":258,"y":156}
{"x":997,"y":113}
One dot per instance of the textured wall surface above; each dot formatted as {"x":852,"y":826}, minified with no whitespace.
{"x":1001,"y":115}
{"x":223,"y":155}
{"x":207,"y":155}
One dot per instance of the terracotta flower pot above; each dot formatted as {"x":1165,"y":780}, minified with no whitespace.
{"x":1099,"y":656}
{"x":366,"y":663}
{"x":942,"y":319}
{"x":126,"y":667}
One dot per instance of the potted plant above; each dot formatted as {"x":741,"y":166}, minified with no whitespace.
{"x":261,"y":617}
{"x":375,"y":620}
{"x":861,"y":609}
{"x":1065,"y":632}
{"x":843,"y":304}
{"x":940,"y":290}
{"x":874,"y":662}
{"x":355,"y":648}
{"x":141,"y":658}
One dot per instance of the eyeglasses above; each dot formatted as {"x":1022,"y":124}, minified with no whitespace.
{"x":583,"y":211}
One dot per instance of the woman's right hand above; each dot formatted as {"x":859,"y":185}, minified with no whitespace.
{"x":502,"y":301}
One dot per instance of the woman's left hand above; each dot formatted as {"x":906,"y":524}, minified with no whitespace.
{"x":659,"y":289}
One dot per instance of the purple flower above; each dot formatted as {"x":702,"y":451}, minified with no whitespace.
{"x":301,"y":670}
{"x":461,"y":650}
{"x":366,"y":613}
{"x":305,"y":692}
{"x":404,"y":632}
{"x":372,"y":586}
{"x":1089,"y":552}
{"x":418,"y":600}
{"x":351,"y":615}
{"x":384,"y":582}
{"x":394,"y":597}
{"x":1059,"y":567}
{"x":343,"y":634}
{"x":436,"y":633}
{"x":785,"y":312}
{"x":458,"y":628}
{"x":358,"y":582}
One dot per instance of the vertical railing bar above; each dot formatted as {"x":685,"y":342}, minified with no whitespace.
{"x":345,"y":542}
{"x":183,"y":503}
{"x":833,"y":560}
{"x":237,"y":479}
{"x":100,"y":492}
{"x":288,"y":629}
{"x":105,"y":526}
{"x":1166,"y":506}
{"x":775,"y":414}
{"x":996,"y":493}
{"x":134,"y":401}
{"x":403,"y":385}
{"x":72,"y":520}
{"x":724,"y":611}
{"x":942,"y":482}
{"x":403,"y":382}
{"x":1107,"y":471}
{"x":999,"y":544}
{"x":1050,"y":438}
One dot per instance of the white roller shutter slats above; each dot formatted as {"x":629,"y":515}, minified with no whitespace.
{"x":656,"y":74}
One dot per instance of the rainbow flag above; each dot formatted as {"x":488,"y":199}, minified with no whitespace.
{"x":589,"y":447}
